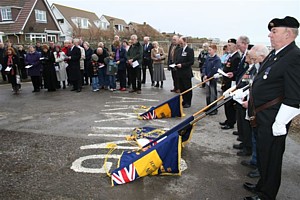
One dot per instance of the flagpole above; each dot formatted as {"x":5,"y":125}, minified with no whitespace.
{"x":196,"y":85}
{"x":232,"y":89}
{"x":206,"y":107}
{"x":216,"y":106}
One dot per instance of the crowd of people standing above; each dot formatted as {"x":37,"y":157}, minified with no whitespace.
{"x":262,"y":115}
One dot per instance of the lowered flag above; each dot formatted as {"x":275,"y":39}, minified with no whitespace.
{"x":161,"y":158}
{"x":170,"y":108}
{"x":185,"y":129}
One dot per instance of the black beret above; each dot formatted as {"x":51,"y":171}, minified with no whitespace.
{"x":232,"y":41}
{"x":250,"y":46}
{"x":288,"y":21}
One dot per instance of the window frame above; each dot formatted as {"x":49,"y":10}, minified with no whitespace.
{"x":6,"y":11}
{"x":38,"y":14}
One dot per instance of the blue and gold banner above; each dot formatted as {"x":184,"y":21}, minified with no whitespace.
{"x":168,"y":109}
{"x":162,"y":157}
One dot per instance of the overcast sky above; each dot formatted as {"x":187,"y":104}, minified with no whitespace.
{"x":198,"y":18}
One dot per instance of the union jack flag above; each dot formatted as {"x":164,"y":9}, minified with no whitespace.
{"x":149,"y":115}
{"x":125,"y":175}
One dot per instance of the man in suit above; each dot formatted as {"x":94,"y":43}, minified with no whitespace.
{"x":275,"y":92}
{"x":243,"y":125}
{"x":229,"y":68}
{"x":147,"y":61}
{"x":184,"y":62}
{"x":74,"y":55}
{"x":173,"y":49}
{"x":135,"y":59}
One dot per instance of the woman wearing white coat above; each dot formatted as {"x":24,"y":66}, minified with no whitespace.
{"x":60,"y":66}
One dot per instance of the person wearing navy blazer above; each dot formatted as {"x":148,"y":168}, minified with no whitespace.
{"x":184,"y":62}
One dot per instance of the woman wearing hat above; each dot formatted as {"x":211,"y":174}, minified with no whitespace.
{"x":60,"y":66}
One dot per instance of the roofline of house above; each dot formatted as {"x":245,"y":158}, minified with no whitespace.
{"x":53,"y":17}
{"x":28,"y":15}
{"x":65,"y":20}
{"x":76,"y":9}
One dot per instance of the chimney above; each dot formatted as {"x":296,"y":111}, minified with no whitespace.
{"x":145,"y":23}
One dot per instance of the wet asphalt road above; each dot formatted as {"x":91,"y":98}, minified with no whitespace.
{"x":51,"y":142}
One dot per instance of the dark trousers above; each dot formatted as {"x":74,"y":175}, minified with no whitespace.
{"x":36,"y":82}
{"x":76,"y":84}
{"x":270,"y":151}
{"x":136,"y":78}
{"x":13,"y":81}
{"x":175,"y":79}
{"x":211,"y":92}
{"x":230,"y":113}
{"x":122,"y":78}
{"x":243,"y":127}
{"x":184,"y":84}
{"x":147,"y":63}
{"x":3,"y":75}
{"x":129,"y":69}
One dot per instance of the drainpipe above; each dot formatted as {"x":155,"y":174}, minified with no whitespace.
{"x":17,"y":38}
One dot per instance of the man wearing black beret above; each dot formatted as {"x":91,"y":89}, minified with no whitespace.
{"x":230,"y":67}
{"x":274,"y":102}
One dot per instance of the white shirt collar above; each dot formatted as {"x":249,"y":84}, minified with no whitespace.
{"x":233,"y":53}
{"x":184,"y":47}
{"x":276,"y":52}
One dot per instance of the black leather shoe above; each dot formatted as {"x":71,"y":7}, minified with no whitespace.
{"x":238,"y":146}
{"x":247,"y":163}
{"x":226,"y":127}
{"x":132,"y":91}
{"x":186,"y":105}
{"x":243,"y":153}
{"x":252,"y":198}
{"x":222,"y":123}
{"x":73,"y":89}
{"x":78,"y":90}
{"x":235,"y":133}
{"x":250,"y":187}
{"x":239,"y":139}
{"x":254,"y":174}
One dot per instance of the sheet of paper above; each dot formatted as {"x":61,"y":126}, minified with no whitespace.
{"x":28,"y":66}
{"x":8,"y":69}
{"x":172,"y":65}
{"x":222,"y":72}
{"x":135,"y":64}
{"x":100,"y":66}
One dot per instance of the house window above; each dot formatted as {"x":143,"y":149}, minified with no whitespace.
{"x":6,"y":14}
{"x":35,"y":37}
{"x":81,"y":22}
{"x":84,"y":23}
{"x":103,"y":25}
{"x":52,"y":38}
{"x":40,"y":16}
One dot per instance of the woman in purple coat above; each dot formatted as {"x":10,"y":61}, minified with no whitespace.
{"x":33,"y":59}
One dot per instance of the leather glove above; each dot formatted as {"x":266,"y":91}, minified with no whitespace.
{"x":283,"y":117}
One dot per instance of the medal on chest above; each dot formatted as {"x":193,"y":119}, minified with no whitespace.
{"x":265,"y":76}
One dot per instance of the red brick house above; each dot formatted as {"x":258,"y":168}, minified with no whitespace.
{"x":28,"y":21}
